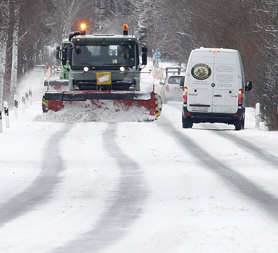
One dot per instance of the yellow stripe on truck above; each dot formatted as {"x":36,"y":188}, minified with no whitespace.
{"x":158,"y":105}
{"x":44,"y":104}
{"x":44,"y":101}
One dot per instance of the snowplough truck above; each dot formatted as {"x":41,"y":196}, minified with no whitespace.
{"x":104,"y":74}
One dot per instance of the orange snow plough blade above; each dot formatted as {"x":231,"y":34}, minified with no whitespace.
{"x":114,"y":101}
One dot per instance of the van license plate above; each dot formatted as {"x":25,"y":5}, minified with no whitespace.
{"x":199,"y":109}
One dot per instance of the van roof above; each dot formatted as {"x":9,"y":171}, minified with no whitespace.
{"x":202,"y":49}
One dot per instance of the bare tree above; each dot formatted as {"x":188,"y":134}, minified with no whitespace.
{"x":34,"y":32}
{"x":266,"y":29}
{"x":9,"y":47}
{"x":4,"y":17}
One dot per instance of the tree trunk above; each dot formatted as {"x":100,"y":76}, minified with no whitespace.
{"x":14,"y":60}
{"x":9,"y":49}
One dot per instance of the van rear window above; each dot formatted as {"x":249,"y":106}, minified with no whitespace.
{"x":175,"y":80}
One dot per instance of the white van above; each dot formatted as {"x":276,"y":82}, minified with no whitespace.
{"x":214,"y":88}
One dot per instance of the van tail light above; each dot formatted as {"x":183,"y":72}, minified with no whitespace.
{"x":167,"y":87}
{"x":185,"y":91}
{"x":240,"y":97}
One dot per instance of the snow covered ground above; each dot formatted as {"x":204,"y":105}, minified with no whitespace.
{"x":74,"y":186}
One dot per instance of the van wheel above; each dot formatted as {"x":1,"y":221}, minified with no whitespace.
{"x":186,"y":123}
{"x":239,"y":125}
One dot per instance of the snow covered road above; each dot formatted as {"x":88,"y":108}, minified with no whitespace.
{"x":137,"y":187}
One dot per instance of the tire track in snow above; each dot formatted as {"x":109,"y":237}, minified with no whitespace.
{"x":266,"y":201}
{"x":42,"y":186}
{"x":255,"y":150}
{"x":258,"y":152}
{"x":124,"y":207}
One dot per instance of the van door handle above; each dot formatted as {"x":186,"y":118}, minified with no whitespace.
{"x":213,"y":85}
{"x":218,"y":96}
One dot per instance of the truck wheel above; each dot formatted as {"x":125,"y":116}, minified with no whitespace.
{"x":186,"y":123}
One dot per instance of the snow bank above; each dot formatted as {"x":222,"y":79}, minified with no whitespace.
{"x":79,"y":112}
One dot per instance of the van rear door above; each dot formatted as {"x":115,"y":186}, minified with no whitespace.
{"x":227,"y":80}
{"x":199,"y":79}
{"x":214,"y":81}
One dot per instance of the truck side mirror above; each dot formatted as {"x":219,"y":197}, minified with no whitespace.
{"x":64,"y":59}
{"x":67,"y":55}
{"x":248,"y":86}
{"x":144,"y":58}
{"x":144,"y":55}
{"x":58,"y":53}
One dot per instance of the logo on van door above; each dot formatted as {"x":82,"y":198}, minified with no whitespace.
{"x":201,"y":71}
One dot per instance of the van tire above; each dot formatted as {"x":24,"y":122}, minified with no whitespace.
{"x":239,"y":125}
{"x":186,"y":123}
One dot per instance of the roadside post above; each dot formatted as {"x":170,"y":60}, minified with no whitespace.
{"x":16,"y":106}
{"x":23,"y":104}
{"x":26,"y":99}
{"x":30,"y":97}
{"x":6,"y":111}
{"x":258,"y":115}
{"x":1,"y":129}
{"x":277,"y":114}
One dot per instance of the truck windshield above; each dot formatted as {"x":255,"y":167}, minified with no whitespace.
{"x":104,"y":55}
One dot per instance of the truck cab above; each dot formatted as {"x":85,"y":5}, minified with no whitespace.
{"x":105,"y":62}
